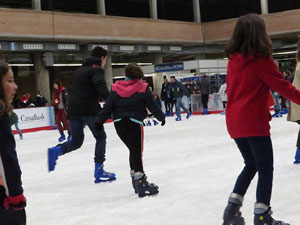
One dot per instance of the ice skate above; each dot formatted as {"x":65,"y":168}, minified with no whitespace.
{"x":262,"y":216}
{"x":133,"y":182}
{"x":142,"y":186}
{"x":297,"y":156}
{"x":62,"y":137}
{"x":188,"y":115}
{"x":155,"y":122}
{"x":101,"y":175}
{"x":232,"y":214}
{"x":205,"y":112}
{"x":69,"y":138}
{"x":148,"y":123}
{"x":53,"y":154}
{"x":178,"y":119}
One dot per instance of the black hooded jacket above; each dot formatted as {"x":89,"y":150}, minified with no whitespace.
{"x":88,"y":88}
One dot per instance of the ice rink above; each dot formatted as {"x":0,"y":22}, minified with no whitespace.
{"x":194,"y":162}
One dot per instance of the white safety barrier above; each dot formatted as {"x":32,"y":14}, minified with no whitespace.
{"x":35,"y":118}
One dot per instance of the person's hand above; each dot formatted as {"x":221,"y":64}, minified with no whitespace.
{"x":163,"y":122}
{"x":15,"y":203}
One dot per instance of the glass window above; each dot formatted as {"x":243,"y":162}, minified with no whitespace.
{"x":24,"y":4}
{"x":74,"y":6}
{"x":212,"y":10}
{"x":128,"y":8}
{"x":283,"y":5}
{"x":181,"y":10}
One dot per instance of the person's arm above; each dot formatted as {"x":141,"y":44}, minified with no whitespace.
{"x":106,"y":111}
{"x":152,"y":106}
{"x":268,"y":72}
{"x":99,"y":83}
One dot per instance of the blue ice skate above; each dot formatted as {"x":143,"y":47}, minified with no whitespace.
{"x":188,"y":115}
{"x":62,"y":137}
{"x":69,"y":138}
{"x":148,"y":123}
{"x":284,"y":111}
{"x":101,"y":175}
{"x":155,"y":122}
{"x":178,"y":119}
{"x":297,"y":156}
{"x":53,"y":154}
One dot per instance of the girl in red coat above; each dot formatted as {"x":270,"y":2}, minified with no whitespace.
{"x":251,"y":73}
{"x":60,"y":103}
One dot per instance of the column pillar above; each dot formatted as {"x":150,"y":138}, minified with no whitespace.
{"x":101,"y":7}
{"x":108,"y":72}
{"x":42,"y":82}
{"x":153,"y":9}
{"x":158,"y":78}
{"x":197,"y":14}
{"x":36,"y":5}
{"x":264,"y":6}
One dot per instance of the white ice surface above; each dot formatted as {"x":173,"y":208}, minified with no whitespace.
{"x":194,"y":162}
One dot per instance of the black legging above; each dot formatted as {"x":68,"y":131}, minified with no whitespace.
{"x":132,"y":134}
{"x":204,"y":99}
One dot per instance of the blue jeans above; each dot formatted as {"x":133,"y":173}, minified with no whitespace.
{"x":180,"y":105}
{"x":277,"y":105}
{"x":258,"y":157}
{"x":77,"y":126}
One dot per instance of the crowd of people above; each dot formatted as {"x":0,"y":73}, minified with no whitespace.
{"x":251,"y":75}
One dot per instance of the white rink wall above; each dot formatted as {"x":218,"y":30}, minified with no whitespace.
{"x":194,"y":162}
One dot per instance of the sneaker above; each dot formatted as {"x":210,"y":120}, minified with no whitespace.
{"x":53,"y":154}
{"x":62,"y":137}
{"x":101,"y":175}
{"x":143,"y":187}
{"x":262,"y":216}
{"x":178,"y":119}
{"x":189,"y":115}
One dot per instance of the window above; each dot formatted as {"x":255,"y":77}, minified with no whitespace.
{"x":181,"y":10}
{"x":74,"y":6}
{"x":212,"y":10}
{"x":24,"y":4}
{"x":283,"y":5}
{"x":128,"y":8}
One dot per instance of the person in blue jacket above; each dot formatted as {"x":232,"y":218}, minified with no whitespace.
{"x":127,"y":103}
{"x":12,"y":200}
{"x":177,"y":90}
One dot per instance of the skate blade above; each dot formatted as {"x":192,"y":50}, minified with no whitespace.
{"x":148,"y":194}
{"x":104,"y":180}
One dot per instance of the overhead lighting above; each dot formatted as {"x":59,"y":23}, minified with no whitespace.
{"x":72,"y":64}
{"x":125,"y":64}
{"x":20,"y":64}
{"x":284,"y":53}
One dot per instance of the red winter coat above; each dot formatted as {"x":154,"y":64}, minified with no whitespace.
{"x":249,"y":81}
{"x":57,"y":92}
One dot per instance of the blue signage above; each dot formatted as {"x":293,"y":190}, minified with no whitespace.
{"x":168,"y":67}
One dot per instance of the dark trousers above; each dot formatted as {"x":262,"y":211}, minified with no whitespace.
{"x":132,"y":134}
{"x":61,"y":117}
{"x":12,"y":217}
{"x":98,"y":132}
{"x":258,"y":157}
{"x":168,"y":105}
{"x":204,"y":99}
{"x":224,"y":105}
{"x":298,"y":140}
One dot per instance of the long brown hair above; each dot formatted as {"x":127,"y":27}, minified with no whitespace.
{"x":4,"y":106}
{"x":249,"y":37}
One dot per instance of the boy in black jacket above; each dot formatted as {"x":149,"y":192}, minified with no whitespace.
{"x":128,"y":102}
{"x":83,"y":106}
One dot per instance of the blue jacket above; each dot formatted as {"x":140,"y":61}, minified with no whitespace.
{"x":177,"y":89}
{"x":10,"y":171}
{"x":129,"y":99}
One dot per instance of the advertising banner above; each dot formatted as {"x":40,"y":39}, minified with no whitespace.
{"x":35,"y":117}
